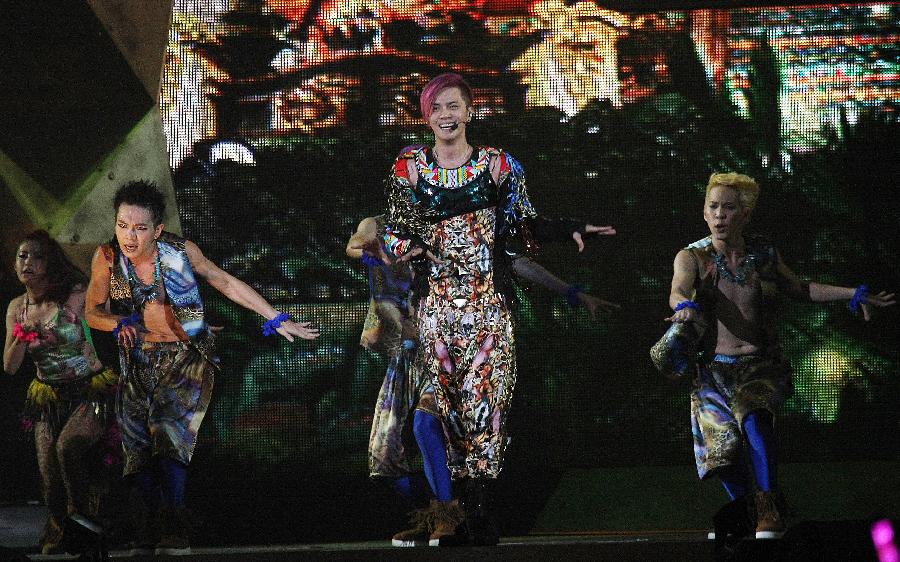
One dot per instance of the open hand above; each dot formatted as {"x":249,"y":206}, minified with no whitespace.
{"x":129,"y":336}
{"x":593,"y":304}
{"x":591,"y":229}
{"x":417,"y":251}
{"x":371,"y":245}
{"x":880,"y":300}
{"x":304,"y":330}
{"x":686,"y":314}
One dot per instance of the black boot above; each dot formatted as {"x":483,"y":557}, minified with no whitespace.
{"x":461,"y":536}
{"x":479,"y":506}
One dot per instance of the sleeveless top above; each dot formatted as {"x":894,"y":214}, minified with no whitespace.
{"x":63,"y":352}
{"x":179,"y":281}
{"x":759,"y":269}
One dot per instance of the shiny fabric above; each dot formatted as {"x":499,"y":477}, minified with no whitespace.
{"x":166,"y":389}
{"x":178,"y":278}
{"x":465,"y":326}
{"x":762,"y":276}
{"x":675,"y":354}
{"x":63,"y":353}
{"x":724,"y":393}
{"x":404,"y":391}
{"x":413,"y":210}
{"x":389,"y":319}
{"x":390,"y":329}
{"x":468,"y":346}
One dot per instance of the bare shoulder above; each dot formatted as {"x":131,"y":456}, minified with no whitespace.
{"x":367,"y":226}
{"x":77,"y":298}
{"x":685,"y":260}
{"x":193,"y":250}
{"x":201,"y":265}
{"x":103,"y":255}
{"x":15,"y":305}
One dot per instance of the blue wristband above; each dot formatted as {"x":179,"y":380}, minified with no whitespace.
{"x":271,"y":326}
{"x":860,"y":296}
{"x":572,"y":295}
{"x":687,"y":304}
{"x":135,"y":318}
{"x":370,"y":260}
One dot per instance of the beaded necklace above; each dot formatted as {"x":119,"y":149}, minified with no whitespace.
{"x":141,"y":294}
{"x":744,"y":270}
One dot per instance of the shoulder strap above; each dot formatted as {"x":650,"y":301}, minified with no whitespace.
{"x":87,"y":333}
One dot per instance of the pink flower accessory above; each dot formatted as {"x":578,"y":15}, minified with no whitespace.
{"x":21,"y":335}
{"x":27,"y":424}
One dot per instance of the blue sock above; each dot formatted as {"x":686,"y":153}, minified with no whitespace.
{"x":430,"y":437}
{"x":760,"y":434}
{"x":174,"y":482}
{"x":145,"y":482}
{"x":734,"y":480}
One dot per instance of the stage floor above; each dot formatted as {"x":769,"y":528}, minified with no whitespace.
{"x":843,"y":540}
{"x":619,"y":547}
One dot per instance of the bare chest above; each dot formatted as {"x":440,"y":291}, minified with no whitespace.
{"x":742,"y":297}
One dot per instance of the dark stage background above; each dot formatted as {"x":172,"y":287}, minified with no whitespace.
{"x":282,"y":120}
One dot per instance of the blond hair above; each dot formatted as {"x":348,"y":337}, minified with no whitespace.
{"x":746,"y":187}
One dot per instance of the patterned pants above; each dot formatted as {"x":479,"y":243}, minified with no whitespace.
{"x":166,"y":389}
{"x":403,"y":391}
{"x":724,"y":393}
{"x":468,"y":350}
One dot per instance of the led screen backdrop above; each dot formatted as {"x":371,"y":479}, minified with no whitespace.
{"x":283,"y":117}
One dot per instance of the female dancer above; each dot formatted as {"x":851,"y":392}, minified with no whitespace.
{"x":70,"y":399}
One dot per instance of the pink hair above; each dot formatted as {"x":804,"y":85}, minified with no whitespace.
{"x":440,"y":83}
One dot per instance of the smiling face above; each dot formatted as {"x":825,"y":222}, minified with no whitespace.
{"x":31,"y":262}
{"x":724,"y":214}
{"x":136,"y":232}
{"x":449,"y":108}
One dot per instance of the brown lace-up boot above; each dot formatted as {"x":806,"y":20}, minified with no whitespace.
{"x":769,"y":523}
{"x":175,"y":529}
{"x":446,"y":517}
{"x":418,"y":534}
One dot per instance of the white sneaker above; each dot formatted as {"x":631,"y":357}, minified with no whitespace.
{"x":768,"y":535}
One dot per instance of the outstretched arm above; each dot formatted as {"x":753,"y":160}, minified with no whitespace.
{"x":508,"y":173}
{"x":240,"y":293}
{"x":528,"y":269}
{"x":683,"y":278}
{"x":820,"y":292}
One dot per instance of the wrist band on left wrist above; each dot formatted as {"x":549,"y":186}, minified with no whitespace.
{"x":860,"y":296}
{"x":270,"y":328}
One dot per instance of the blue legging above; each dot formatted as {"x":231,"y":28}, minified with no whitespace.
{"x":174,"y":481}
{"x":430,"y":438}
{"x":760,"y":435}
